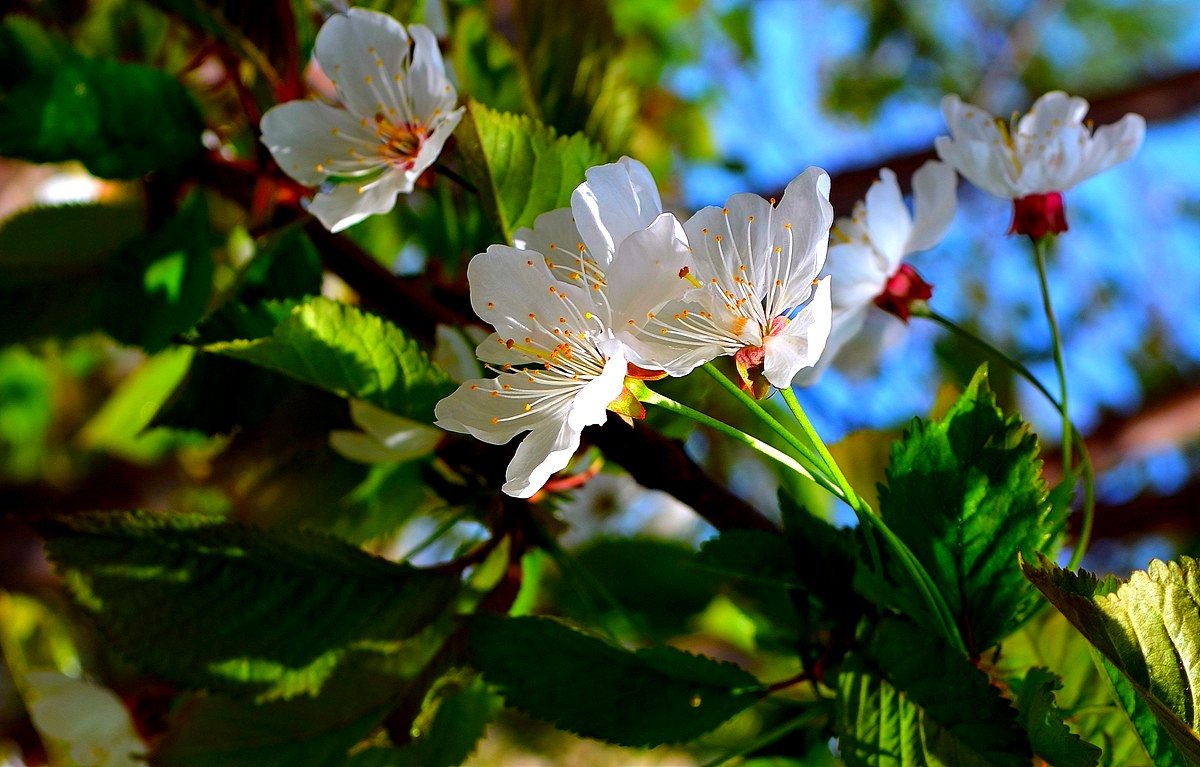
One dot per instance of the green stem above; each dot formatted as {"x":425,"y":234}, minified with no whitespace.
{"x":783,"y":459}
{"x":934,"y":601}
{"x":1040,"y":246}
{"x":759,"y":412}
{"x":1085,"y":457}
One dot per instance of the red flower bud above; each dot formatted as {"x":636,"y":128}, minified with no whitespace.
{"x":1038,"y":215}
{"x":903,"y":289}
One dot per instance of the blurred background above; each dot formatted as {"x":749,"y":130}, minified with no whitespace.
{"x":717,"y":97}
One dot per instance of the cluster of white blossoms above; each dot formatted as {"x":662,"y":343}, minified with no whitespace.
{"x":613,"y":281}
{"x":613,"y":287}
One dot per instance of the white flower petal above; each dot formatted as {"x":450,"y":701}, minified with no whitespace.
{"x":845,"y":327}
{"x":1052,"y":112}
{"x":800,"y":344}
{"x":935,"y":200}
{"x":515,"y":292}
{"x":454,"y":353}
{"x":542,"y":453}
{"x":362,"y":52}
{"x":427,"y":85}
{"x":616,"y":200}
{"x":744,"y":226}
{"x":487,"y":411}
{"x":888,"y":219}
{"x":859,"y":353}
{"x":856,"y":274}
{"x":800,"y":227}
{"x":311,"y":140}
{"x":345,"y":204}
{"x":645,"y":274}
{"x":1112,"y":145}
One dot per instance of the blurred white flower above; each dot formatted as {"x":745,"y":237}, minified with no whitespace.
{"x":752,"y":290}
{"x":87,"y":720}
{"x":1037,"y":157}
{"x":870,"y":280}
{"x":398,"y":112}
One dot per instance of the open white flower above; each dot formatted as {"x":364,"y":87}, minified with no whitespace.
{"x":86,"y":719}
{"x":872,"y":288}
{"x":1038,"y":156}
{"x":752,"y":291}
{"x":559,"y":366}
{"x":398,"y":112}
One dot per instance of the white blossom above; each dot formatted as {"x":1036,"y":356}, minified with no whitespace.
{"x":752,"y":289}
{"x":397,"y":110}
{"x":1050,"y":149}
{"x":871,"y":284}
{"x":86,"y":719}
{"x":559,"y":366}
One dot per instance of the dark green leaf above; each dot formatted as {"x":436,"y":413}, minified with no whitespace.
{"x":521,"y":167}
{"x":911,"y":701}
{"x":120,"y":120}
{"x":585,"y":685}
{"x":458,"y":724}
{"x":751,"y":554}
{"x":144,"y":292}
{"x":1148,"y":628}
{"x":222,"y":606}
{"x":1044,"y":723}
{"x":216,"y":731}
{"x":966,"y":494}
{"x":351,"y":353}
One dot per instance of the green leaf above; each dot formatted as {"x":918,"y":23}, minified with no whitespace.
{"x":26,"y":413}
{"x":222,"y":606}
{"x":966,"y":494}
{"x":485,"y":63}
{"x":117,"y":427}
{"x":120,"y":120}
{"x":458,"y":724}
{"x":1086,"y":698}
{"x":521,"y":167}
{"x":1148,"y":628}
{"x":351,"y":353}
{"x":217,"y":731}
{"x":585,"y":685}
{"x":1044,"y":723}
{"x":573,"y":70}
{"x":911,"y":701}
{"x":751,"y":554}
{"x":159,"y":285}
{"x":1152,"y":736}
{"x":155,"y":286}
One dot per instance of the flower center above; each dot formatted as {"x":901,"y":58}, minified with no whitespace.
{"x":401,"y":142}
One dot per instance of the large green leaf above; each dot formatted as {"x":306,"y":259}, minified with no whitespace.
{"x":966,"y":494}
{"x":521,"y":167}
{"x":1148,"y":628}
{"x":351,"y":353}
{"x":585,"y":685}
{"x":910,"y":701}
{"x":222,"y":606}
{"x":120,"y":120}
{"x":144,"y":292}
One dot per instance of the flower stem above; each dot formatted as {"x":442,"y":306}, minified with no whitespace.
{"x":867,"y":516}
{"x":763,"y":740}
{"x":783,"y":459}
{"x":768,"y":420}
{"x":1085,"y":458}
{"x":1040,"y":247}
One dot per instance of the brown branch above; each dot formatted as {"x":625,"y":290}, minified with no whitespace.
{"x":1157,"y":100}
